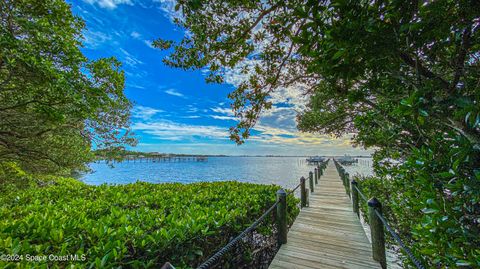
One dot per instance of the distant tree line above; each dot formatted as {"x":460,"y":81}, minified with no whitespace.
{"x":122,"y":154}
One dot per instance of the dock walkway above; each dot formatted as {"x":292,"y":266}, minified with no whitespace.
{"x":327,"y":234}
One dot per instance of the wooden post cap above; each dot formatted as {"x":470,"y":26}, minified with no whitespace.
{"x":373,"y":202}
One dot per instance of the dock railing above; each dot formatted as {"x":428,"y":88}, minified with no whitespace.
{"x":281,"y":223}
{"x":378,"y":223}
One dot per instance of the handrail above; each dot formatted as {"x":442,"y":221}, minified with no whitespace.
{"x":294,"y":189}
{"x":399,"y":241}
{"x":220,"y":253}
{"x":361,"y":194}
{"x":382,"y":219}
{"x":208,"y":263}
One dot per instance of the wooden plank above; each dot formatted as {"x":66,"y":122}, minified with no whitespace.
{"x":334,"y":261}
{"x":327,"y":234}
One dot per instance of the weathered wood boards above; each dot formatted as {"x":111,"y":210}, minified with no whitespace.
{"x":327,"y":234}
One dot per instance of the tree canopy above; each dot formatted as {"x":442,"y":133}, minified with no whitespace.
{"x":403,"y":76}
{"x":55,"y":104}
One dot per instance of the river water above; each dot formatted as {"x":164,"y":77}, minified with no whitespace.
{"x":283,"y":171}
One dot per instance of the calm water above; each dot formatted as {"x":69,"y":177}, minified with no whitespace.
{"x":362,"y":168}
{"x":284,"y":171}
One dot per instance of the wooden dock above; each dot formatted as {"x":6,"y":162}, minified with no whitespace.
{"x":327,"y":233}
{"x":161,"y":158}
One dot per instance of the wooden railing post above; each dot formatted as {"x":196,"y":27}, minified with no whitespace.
{"x":282,"y":216}
{"x":347,"y":183}
{"x":310,"y":177}
{"x":316,"y":175}
{"x":376,"y":228}
{"x":303,"y":192}
{"x":354,"y":186}
{"x":307,"y":194}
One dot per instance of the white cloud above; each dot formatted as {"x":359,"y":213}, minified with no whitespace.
{"x":192,"y":109}
{"x":223,"y":117}
{"x":293,"y":95}
{"x":168,"y":7}
{"x":93,"y":39}
{"x":145,"y":113}
{"x":280,"y":136}
{"x":149,"y":44}
{"x":221,"y":110}
{"x":135,"y":86}
{"x":135,"y":35}
{"x":192,"y":117}
{"x":227,"y":114}
{"x":109,"y":4}
{"x":174,"y":93}
{"x":169,"y":130}
{"x":241,"y":72}
{"x":129,"y":59}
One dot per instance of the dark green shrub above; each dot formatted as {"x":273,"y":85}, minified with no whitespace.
{"x":433,"y":200}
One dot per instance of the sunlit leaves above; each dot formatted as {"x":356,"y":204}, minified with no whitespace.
{"x":135,"y":225}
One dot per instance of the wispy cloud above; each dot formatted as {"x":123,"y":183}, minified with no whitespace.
{"x":168,"y":7}
{"x":175,"y":93}
{"x":192,"y":109}
{"x":223,"y":117}
{"x":221,"y":110}
{"x":93,"y":39}
{"x":129,"y":59}
{"x":145,"y":113}
{"x":109,"y":4}
{"x":135,"y":86}
{"x":149,"y":44}
{"x":241,"y":72}
{"x":226,"y":114}
{"x":169,"y":130}
{"x":135,"y":35}
{"x":191,"y":117}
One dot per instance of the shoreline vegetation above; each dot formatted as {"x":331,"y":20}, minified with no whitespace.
{"x":134,"y":225}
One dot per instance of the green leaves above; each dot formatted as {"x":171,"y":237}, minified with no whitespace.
{"x":139,"y":224}
{"x":338,"y":54}
{"x":429,"y":210}
{"x":57,"y":101}
{"x":162,"y":44}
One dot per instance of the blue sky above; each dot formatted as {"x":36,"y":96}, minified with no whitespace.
{"x":175,"y":111}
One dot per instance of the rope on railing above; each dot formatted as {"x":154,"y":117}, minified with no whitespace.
{"x":208,"y":263}
{"x":399,"y":241}
{"x":387,"y":226}
{"x":361,"y":193}
{"x":292,"y":191}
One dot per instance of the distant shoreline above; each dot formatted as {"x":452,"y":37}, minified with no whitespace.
{"x":140,"y":154}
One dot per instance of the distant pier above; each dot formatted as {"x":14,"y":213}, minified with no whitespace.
{"x":162,"y":158}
